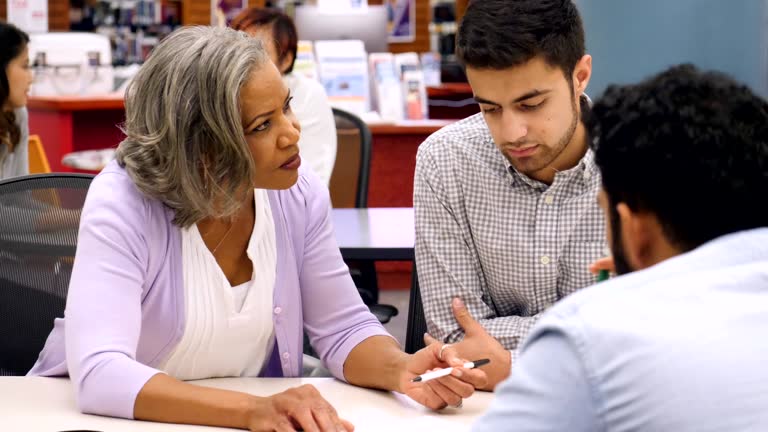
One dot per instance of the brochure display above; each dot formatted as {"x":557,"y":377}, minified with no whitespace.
{"x":305,"y":64}
{"x":413,"y":89}
{"x":343,"y":69}
{"x":386,"y":86}
{"x":430,"y":64}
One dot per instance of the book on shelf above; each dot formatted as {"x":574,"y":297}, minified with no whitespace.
{"x":305,"y":64}
{"x":385,"y":83}
{"x":343,"y":69}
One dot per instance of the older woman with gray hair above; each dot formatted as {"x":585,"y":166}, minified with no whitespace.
{"x":205,"y":251}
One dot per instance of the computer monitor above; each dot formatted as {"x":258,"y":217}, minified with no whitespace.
{"x":369,"y":26}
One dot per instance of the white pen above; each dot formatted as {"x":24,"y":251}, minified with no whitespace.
{"x":447,"y":371}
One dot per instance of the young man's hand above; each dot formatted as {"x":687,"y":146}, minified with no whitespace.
{"x":477,"y":344}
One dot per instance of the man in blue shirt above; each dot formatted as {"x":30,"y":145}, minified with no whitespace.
{"x":678,"y":343}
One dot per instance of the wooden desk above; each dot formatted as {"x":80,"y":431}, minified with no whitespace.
{"x":76,"y":103}
{"x":73,"y":123}
{"x":393,"y":160}
{"x":452,"y":101}
{"x":414,"y":127}
{"x":48,"y":404}
{"x":450,"y":89}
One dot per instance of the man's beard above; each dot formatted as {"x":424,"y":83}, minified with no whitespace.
{"x":548,"y":155}
{"x":620,"y":263}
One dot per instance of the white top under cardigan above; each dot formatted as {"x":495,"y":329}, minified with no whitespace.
{"x":229,"y":330}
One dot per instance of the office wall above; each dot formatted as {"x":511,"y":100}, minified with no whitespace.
{"x":632,"y":39}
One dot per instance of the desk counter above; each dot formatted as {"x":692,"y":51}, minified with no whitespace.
{"x":76,"y":103}
{"x":48,"y":404}
{"x":67,"y":124}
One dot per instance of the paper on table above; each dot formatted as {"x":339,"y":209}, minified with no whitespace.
{"x":442,"y":421}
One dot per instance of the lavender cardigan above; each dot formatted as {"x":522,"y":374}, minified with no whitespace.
{"x":125,"y":308}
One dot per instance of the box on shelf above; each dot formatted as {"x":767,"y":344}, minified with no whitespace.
{"x":386,"y":91}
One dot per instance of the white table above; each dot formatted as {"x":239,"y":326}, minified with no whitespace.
{"x":375,"y":233}
{"x":32,"y":404}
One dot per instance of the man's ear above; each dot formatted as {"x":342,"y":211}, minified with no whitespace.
{"x":582,"y":72}
{"x":638,"y":230}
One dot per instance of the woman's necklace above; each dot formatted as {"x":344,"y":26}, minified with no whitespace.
{"x":222,"y":239}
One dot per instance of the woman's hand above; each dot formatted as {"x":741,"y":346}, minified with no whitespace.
{"x":300,"y":408}
{"x":442,"y":392}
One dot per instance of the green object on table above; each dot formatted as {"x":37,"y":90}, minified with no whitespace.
{"x":603,"y":275}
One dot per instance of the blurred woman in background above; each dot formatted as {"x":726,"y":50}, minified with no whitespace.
{"x":15,"y":79}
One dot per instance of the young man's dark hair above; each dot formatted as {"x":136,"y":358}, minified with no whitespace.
{"x":691,"y":148}
{"x":499,"y":34}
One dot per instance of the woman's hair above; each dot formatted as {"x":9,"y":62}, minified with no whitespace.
{"x":184,"y":143}
{"x":12,"y":43}
{"x":283,"y":30}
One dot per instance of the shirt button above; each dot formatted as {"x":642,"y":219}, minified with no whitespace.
{"x":549,"y":199}
{"x":278,"y":310}
{"x":286,"y":355}
{"x":545,"y":260}
{"x":587,"y":175}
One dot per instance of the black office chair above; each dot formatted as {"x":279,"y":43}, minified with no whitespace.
{"x":353,"y":161}
{"x":353,"y":166}
{"x":39,"y":216}
{"x":417,"y":323}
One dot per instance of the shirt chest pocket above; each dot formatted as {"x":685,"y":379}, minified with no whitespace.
{"x":574,"y":265}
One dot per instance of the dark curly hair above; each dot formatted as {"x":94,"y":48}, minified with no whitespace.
{"x":499,"y":34}
{"x":689,"y":146}
{"x":12,"y":43}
